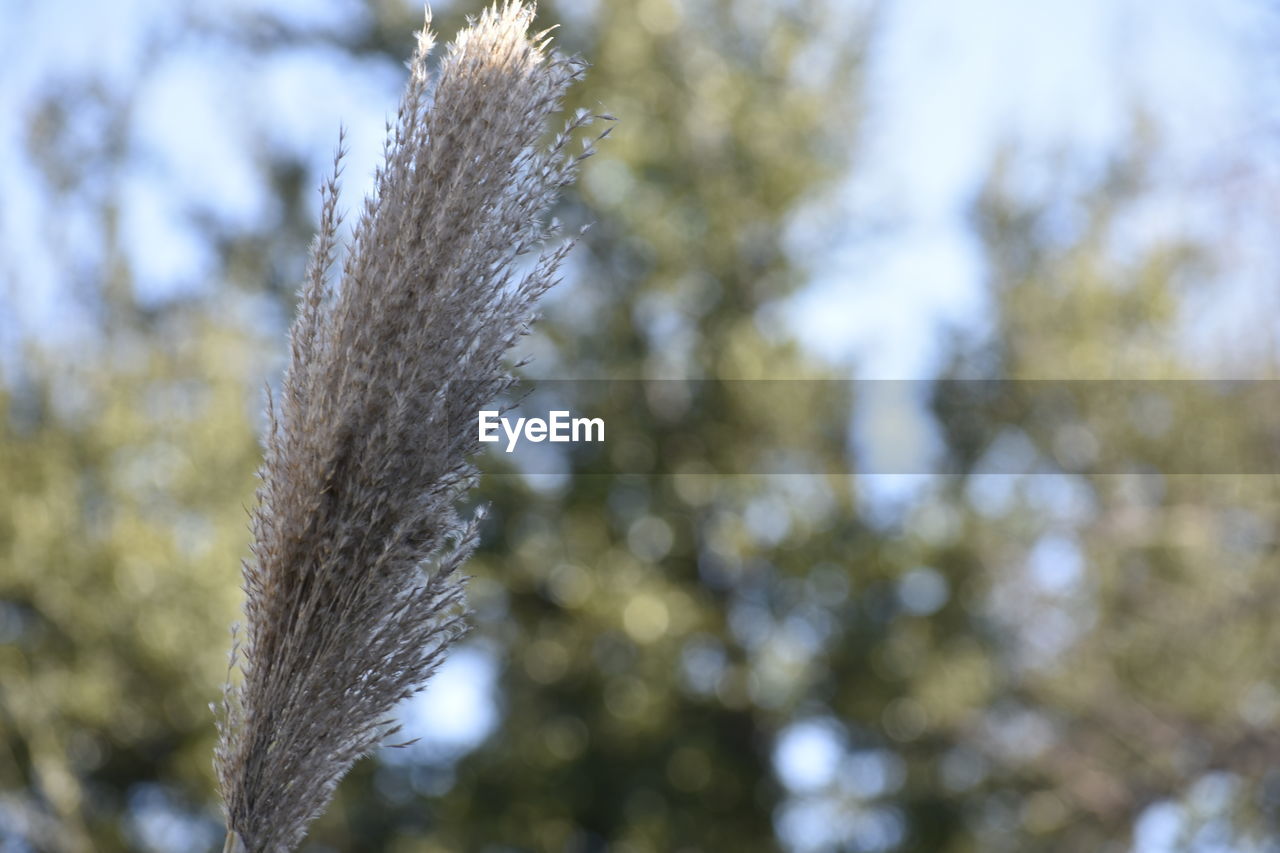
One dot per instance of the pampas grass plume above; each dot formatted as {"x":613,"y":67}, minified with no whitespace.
{"x":354,"y":590}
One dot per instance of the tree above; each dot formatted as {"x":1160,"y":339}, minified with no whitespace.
{"x":1027,"y":662}
{"x":1126,"y":571}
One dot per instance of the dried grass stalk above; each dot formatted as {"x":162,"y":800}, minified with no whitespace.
{"x":353,"y":590}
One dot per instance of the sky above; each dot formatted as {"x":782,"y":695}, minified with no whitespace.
{"x":951,"y":82}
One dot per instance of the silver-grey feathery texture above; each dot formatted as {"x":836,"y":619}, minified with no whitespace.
{"x":353,"y":589}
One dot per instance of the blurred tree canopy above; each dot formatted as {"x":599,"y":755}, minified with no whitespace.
{"x":1032,"y":661}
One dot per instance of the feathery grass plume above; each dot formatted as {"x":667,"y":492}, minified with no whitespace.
{"x":353,"y":590}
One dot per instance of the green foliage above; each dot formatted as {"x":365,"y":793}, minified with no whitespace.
{"x":127,"y":467}
{"x":656,"y":633}
{"x":1144,"y":676}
